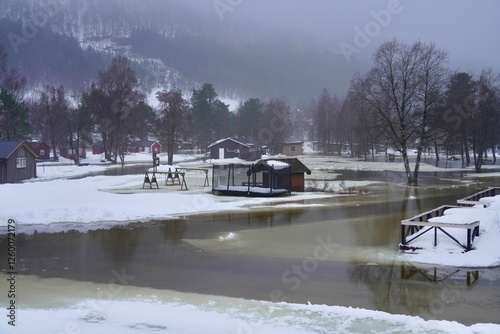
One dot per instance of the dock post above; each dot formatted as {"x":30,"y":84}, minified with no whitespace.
{"x":469,"y":247}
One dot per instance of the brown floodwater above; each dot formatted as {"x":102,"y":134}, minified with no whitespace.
{"x":341,"y":253}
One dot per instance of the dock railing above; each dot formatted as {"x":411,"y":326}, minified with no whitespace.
{"x":475,"y":199}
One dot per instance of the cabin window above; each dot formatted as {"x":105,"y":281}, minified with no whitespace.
{"x":21,"y":162}
{"x":42,"y":152}
{"x":292,"y":148}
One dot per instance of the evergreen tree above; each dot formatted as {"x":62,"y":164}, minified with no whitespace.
{"x":14,"y":124}
{"x":249,"y":117}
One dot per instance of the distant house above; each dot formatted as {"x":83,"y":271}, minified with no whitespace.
{"x":41,"y":149}
{"x":146,"y":146}
{"x":293,"y":148}
{"x":297,"y":172}
{"x":235,"y":147}
{"x":98,"y":148}
{"x":17,"y":161}
{"x":69,"y":153}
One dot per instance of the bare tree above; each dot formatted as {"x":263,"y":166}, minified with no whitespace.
{"x":50,"y":115}
{"x":173,"y":119}
{"x":275,"y":126}
{"x":119,"y":94}
{"x":485,"y":119}
{"x":401,"y":88}
{"x":324,"y":119}
{"x":433,"y":76}
{"x":78,"y":126}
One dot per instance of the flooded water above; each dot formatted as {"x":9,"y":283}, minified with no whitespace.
{"x":342,"y":253}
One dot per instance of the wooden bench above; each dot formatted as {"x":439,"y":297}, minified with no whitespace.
{"x":168,"y":176}
{"x":206,"y":170}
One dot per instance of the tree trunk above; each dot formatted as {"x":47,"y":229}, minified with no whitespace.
{"x":417,"y":165}
{"x":462,"y":155}
{"x":406,"y":161}
{"x":436,"y":150}
{"x":467,"y":153}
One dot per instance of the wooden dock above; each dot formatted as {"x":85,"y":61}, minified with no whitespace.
{"x":417,"y":226}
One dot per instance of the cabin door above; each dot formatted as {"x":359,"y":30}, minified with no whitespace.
{"x":221,"y":153}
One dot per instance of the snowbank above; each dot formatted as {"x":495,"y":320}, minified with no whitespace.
{"x":100,"y":308}
{"x":486,"y":252}
{"x":100,"y":201}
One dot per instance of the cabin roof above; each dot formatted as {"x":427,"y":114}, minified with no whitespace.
{"x":9,"y":147}
{"x":240,"y":140}
{"x":145,"y":143}
{"x":296,"y":164}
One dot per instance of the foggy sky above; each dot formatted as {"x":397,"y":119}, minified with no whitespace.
{"x":469,"y":30}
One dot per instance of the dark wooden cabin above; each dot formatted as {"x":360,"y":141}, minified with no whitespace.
{"x":17,"y":161}
{"x":235,"y":147}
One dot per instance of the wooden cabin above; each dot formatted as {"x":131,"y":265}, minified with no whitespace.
{"x":41,"y":149}
{"x":17,"y":161}
{"x":144,"y":146}
{"x":293,"y":148}
{"x":297,"y":172}
{"x":235,"y":147}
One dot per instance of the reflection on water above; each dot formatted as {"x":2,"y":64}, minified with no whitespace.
{"x":272,"y":249}
{"x":429,"y":292}
{"x":437,"y":275}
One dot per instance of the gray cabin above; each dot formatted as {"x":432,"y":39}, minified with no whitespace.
{"x":17,"y":161}
{"x":235,"y":147}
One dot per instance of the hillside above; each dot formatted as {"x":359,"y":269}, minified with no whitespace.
{"x":170,"y":44}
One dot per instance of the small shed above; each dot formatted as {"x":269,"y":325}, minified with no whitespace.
{"x":275,"y":174}
{"x":144,"y":146}
{"x":41,"y":149}
{"x":235,"y":147}
{"x":297,"y":172}
{"x":17,"y":161}
{"x":293,"y":148}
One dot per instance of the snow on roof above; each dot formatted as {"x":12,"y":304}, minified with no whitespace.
{"x":240,"y":140}
{"x":276,"y":164}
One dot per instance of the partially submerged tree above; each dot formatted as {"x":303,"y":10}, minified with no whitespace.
{"x":402,"y":88}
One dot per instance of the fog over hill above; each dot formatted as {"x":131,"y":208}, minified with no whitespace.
{"x":258,"y":48}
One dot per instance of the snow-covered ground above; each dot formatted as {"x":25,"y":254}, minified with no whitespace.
{"x":117,"y":308}
{"x":58,"y":204}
